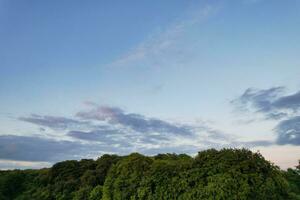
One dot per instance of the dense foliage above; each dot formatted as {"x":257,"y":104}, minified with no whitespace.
{"x":212,"y":174}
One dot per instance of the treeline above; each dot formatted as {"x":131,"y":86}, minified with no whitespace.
{"x":225,"y":174}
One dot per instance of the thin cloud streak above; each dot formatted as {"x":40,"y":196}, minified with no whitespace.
{"x":53,"y":122}
{"x":165,"y":45}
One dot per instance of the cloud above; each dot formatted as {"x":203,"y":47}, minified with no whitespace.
{"x":291,"y":102}
{"x":105,"y":137}
{"x":289,"y":131}
{"x":101,"y":129}
{"x":41,"y":149}
{"x":36,"y":152}
{"x":136,"y":129}
{"x":53,"y":122}
{"x":95,"y":135}
{"x":41,"y":152}
{"x":24,"y":148}
{"x":106,"y":129}
{"x":272,"y":103}
{"x":106,"y":124}
{"x":165,"y":45}
{"x":100,"y":113}
{"x":136,"y":122}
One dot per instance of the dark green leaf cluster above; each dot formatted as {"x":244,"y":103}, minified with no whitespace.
{"x":293,"y":177}
{"x":211,"y":174}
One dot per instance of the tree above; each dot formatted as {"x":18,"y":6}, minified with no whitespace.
{"x":96,"y":193}
{"x":212,"y":174}
{"x":123,"y":179}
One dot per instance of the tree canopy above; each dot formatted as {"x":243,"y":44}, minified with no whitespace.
{"x":211,"y":174}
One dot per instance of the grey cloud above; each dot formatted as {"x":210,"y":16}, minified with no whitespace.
{"x":45,"y":151}
{"x":273,"y":104}
{"x":106,"y":137}
{"x":134,"y":121}
{"x":261,"y":100}
{"x":186,"y":149}
{"x":155,"y":139}
{"x":101,"y":113}
{"x":117,"y":137}
{"x":120,"y":129}
{"x":36,"y":149}
{"x":115,"y":121}
{"x":112,"y":130}
{"x":289,"y":131}
{"x":291,"y":102}
{"x":95,"y":135}
{"x":53,"y":122}
{"x":270,"y":102}
{"x":103,"y":129}
{"x":276,"y":115}
{"x":141,"y":124}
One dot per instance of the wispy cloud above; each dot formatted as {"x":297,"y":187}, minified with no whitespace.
{"x":53,"y":122}
{"x":164,"y":46}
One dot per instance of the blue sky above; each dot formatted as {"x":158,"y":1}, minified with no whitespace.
{"x":149,"y":76}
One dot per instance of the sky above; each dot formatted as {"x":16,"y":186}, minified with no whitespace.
{"x":81,"y":79}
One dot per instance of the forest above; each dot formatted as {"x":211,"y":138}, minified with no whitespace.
{"x":211,"y":174}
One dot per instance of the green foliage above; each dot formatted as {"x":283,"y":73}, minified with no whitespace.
{"x":293,"y":177}
{"x":83,"y":193}
{"x":104,"y":163}
{"x":124,"y":177}
{"x":96,"y":193}
{"x":218,"y":175}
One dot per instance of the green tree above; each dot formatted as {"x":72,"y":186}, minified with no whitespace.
{"x":213,"y":174}
{"x":96,"y":193}
{"x":123,"y":179}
